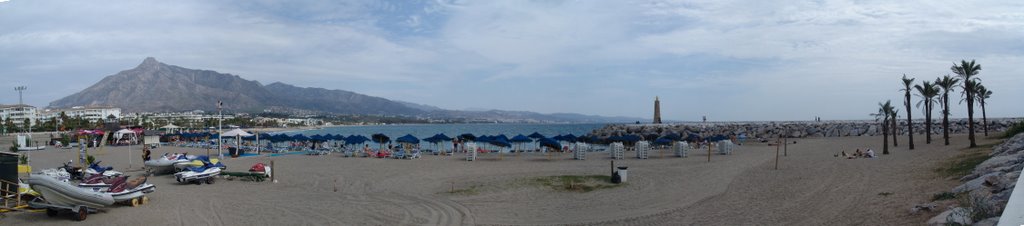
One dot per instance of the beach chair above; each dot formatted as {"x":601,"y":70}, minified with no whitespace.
{"x":681,"y":148}
{"x":400,"y":154}
{"x":642,"y":148}
{"x":616,"y":150}
{"x":725,"y":147}
{"x":581,"y":151}
{"x":415,"y":154}
{"x":472,"y":153}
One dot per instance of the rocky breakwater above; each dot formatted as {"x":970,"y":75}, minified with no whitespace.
{"x":984,"y":193}
{"x":789,"y":129}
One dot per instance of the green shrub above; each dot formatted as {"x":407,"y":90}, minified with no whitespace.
{"x":943,"y":196}
{"x":89,"y":159}
{"x":1014,"y":129}
{"x":23,"y":159}
{"x":14,"y":147}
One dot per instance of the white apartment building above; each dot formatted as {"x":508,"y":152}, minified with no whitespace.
{"x":91,"y":113}
{"x":18,"y":113}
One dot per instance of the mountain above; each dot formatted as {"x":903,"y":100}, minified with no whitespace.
{"x":157,"y":87}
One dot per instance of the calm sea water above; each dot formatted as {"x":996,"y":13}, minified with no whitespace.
{"x":427,"y":130}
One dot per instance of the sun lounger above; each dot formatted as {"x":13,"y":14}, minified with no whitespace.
{"x":681,"y":148}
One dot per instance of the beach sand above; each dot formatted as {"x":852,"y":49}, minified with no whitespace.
{"x":811,"y":187}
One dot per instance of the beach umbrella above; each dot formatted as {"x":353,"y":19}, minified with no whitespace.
{"x":408,"y":138}
{"x":499,"y":141}
{"x":467,"y":136}
{"x":317,"y":138}
{"x":569,"y":138}
{"x":672,"y":136}
{"x":300,"y":137}
{"x":548,"y":142}
{"x":662,"y":141}
{"x":442,"y":137}
{"x":535,"y":135}
{"x":356,"y":139}
{"x":520,"y":139}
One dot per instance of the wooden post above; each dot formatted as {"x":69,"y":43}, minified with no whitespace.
{"x":709,"y":151}
{"x":777,"y":154}
{"x":785,"y":147}
{"x":273,"y":169}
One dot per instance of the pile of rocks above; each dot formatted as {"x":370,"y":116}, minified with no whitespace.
{"x":790,"y":129}
{"x":989,"y":185}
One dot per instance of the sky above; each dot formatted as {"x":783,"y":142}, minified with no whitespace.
{"x":727,"y":60}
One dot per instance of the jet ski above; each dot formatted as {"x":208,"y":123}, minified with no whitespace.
{"x":123,"y":190}
{"x":97,"y":182}
{"x":167,"y":163}
{"x":95,"y":168}
{"x":199,"y":174}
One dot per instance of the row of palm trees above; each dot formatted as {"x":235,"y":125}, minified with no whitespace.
{"x":937,"y":92}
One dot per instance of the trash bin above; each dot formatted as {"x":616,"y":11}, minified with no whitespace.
{"x":622,"y":173}
{"x":233,"y":151}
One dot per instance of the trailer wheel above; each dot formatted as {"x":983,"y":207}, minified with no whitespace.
{"x":135,"y":202}
{"x":83,"y":212}
{"x":51,"y":212}
{"x":209,"y":180}
{"x":144,"y":200}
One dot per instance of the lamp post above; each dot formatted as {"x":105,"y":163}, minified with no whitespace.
{"x":220,"y":127}
{"x":19,"y":89}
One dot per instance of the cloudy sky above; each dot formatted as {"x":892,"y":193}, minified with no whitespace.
{"x":729,"y":60}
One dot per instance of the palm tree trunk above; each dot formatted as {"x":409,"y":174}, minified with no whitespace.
{"x":970,"y":115}
{"x":927,"y":123}
{"x":885,"y":136}
{"x":894,"y":132}
{"x":910,"y":122}
{"x":945,"y":117}
{"x":984,"y":118}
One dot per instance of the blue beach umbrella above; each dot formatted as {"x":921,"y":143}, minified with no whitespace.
{"x":408,"y":138}
{"x":467,"y":136}
{"x":356,"y":139}
{"x":535,"y":135}
{"x":548,"y":142}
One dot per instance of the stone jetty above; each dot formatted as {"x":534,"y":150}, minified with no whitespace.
{"x":792,"y":129}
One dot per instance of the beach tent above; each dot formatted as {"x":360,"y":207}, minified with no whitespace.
{"x":548,"y":142}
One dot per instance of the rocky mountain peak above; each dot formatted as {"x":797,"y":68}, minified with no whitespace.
{"x":150,"y":62}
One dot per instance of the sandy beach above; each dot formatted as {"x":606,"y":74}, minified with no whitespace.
{"x":811,"y":187}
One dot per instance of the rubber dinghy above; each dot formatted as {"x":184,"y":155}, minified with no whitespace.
{"x":57,"y":192}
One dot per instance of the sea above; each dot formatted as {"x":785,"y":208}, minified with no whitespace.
{"x":427,"y":130}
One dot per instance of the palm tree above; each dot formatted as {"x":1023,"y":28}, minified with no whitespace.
{"x":982,"y":94}
{"x":967,"y":71}
{"x":883,"y":114}
{"x":947,"y":83}
{"x":906,"y":102}
{"x":927,"y":91}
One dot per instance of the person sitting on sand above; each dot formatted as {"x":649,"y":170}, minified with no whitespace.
{"x":870,"y":154}
{"x":858,"y":153}
{"x":843,"y":153}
